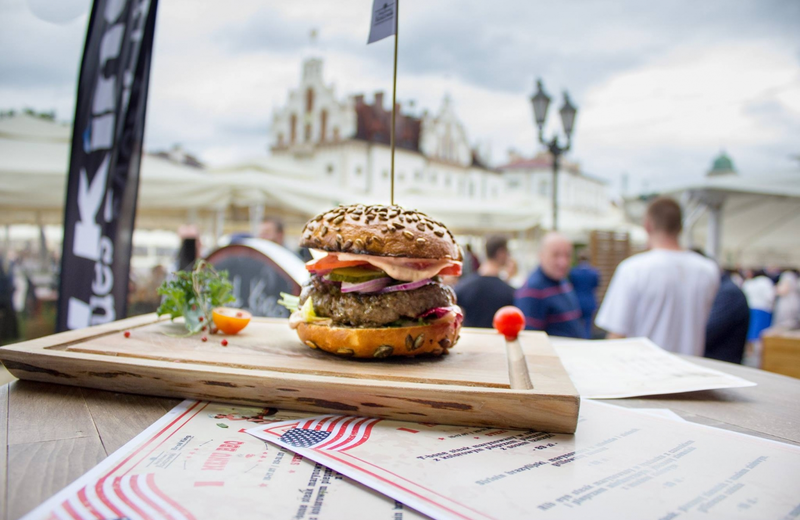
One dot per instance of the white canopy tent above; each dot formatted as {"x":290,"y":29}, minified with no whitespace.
{"x":279,"y":184}
{"x":34,"y":160}
{"x":34,"y":157}
{"x":749,"y":221}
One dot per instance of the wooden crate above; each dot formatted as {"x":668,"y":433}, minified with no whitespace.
{"x":607,"y":250}
{"x":266,"y":364}
{"x":782,"y":353}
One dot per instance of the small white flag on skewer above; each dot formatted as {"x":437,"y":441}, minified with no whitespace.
{"x":384,"y":20}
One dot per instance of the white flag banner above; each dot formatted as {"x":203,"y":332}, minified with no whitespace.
{"x":384,"y":20}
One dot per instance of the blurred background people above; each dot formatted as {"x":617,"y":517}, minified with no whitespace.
{"x":664,"y":294}
{"x":480,"y":294}
{"x":189,"y":250}
{"x":8,"y":315}
{"x":760,"y":293}
{"x":471,"y":262}
{"x":726,"y":330}
{"x":787,"y":305}
{"x":585,"y":280}
{"x":547,"y":298}
{"x":271,"y":229}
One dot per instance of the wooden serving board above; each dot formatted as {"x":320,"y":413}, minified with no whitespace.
{"x":266,"y":364}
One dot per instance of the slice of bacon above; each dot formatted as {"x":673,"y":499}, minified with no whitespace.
{"x":399,"y":268}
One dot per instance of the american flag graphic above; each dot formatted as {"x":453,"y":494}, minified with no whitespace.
{"x":131,"y":497}
{"x":330,"y":432}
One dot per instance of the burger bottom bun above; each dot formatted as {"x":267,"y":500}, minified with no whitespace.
{"x":434,"y":339}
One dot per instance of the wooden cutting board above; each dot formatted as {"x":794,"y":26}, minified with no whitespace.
{"x":266,"y":364}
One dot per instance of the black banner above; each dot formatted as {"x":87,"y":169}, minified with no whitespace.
{"x":103,"y":179}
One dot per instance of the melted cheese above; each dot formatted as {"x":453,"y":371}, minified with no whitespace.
{"x":404,"y":269}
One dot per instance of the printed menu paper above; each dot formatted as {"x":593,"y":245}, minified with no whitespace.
{"x":620,"y":463}
{"x":197,"y":462}
{"x":634,"y":367}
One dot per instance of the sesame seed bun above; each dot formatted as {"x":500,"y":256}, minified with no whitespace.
{"x":381,"y":231}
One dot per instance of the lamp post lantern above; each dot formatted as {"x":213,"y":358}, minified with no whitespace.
{"x":541,"y":102}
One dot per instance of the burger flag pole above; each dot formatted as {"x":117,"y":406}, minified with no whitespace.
{"x":384,"y":24}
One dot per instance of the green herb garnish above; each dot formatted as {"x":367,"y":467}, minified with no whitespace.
{"x":289,"y":301}
{"x":193,"y":294}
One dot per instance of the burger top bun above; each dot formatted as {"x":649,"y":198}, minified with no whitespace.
{"x":381,"y":231}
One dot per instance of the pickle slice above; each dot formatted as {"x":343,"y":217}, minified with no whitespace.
{"x":355,"y":274}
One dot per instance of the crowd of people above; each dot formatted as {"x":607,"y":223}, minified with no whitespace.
{"x":677,"y":298}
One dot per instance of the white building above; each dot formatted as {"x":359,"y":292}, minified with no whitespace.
{"x":339,"y":148}
{"x":579,"y":195}
{"x":346,"y":143}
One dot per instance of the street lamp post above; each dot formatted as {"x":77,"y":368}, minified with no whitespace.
{"x":541,"y":102}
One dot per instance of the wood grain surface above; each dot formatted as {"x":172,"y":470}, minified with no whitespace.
{"x":42,"y":460}
{"x":4,"y":454}
{"x":269,"y":344}
{"x":270,"y":366}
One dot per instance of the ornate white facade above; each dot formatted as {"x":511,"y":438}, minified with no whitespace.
{"x":344,"y":144}
{"x":312,"y":113}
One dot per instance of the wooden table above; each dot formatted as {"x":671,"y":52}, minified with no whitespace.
{"x":54,"y":434}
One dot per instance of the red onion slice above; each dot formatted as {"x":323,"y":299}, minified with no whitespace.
{"x":366,"y":287}
{"x":452,"y":313}
{"x":409,"y":286}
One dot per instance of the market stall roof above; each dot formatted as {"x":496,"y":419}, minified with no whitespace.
{"x":34,"y":160}
{"x":760,"y":216}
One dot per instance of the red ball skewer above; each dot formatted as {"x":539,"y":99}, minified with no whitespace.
{"x":509,"y":321}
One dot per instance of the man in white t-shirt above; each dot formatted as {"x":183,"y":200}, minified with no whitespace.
{"x":664,"y":294}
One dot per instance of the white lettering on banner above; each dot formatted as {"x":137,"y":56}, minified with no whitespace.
{"x":108,"y":214}
{"x":106,"y":304}
{"x":78,"y":314}
{"x":111,"y":44}
{"x":114,"y":8}
{"x":139,"y":14}
{"x":89,"y":242}
{"x":86,"y":243}
{"x":102,"y":134}
{"x":104,"y":95}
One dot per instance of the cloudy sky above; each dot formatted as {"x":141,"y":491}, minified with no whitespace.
{"x":661,"y":87}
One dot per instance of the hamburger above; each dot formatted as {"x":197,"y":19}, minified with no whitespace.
{"x":375,"y":289}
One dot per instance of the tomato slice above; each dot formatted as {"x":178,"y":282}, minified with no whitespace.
{"x":230,"y":321}
{"x":328,"y":262}
{"x":451,"y":270}
{"x":332,"y":261}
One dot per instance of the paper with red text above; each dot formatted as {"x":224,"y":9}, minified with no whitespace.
{"x":619,"y":464}
{"x":197,"y":462}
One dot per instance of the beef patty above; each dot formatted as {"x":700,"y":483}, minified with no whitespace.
{"x":373,"y":310}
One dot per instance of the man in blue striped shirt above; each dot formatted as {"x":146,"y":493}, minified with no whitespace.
{"x":547,"y":298}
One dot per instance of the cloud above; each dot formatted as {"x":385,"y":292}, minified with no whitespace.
{"x":660,"y":87}
{"x":38,"y":54}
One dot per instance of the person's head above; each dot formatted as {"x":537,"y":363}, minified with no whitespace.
{"x":555,"y":256}
{"x":271,"y":229}
{"x":583,"y":255}
{"x":497,"y":249}
{"x":787,"y":284}
{"x":663,"y":218}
